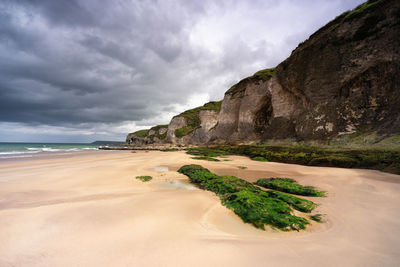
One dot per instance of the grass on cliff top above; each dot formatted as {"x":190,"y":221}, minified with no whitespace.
{"x":384,"y":160}
{"x":144,"y":133}
{"x":289,"y":185}
{"x":192,"y":118}
{"x":144,"y":178}
{"x":249,"y":202}
{"x":362,"y":9}
{"x":263,"y":75}
{"x":141,"y":133}
{"x":158,"y":127}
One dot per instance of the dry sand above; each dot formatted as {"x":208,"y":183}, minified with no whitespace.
{"x":89,"y":210}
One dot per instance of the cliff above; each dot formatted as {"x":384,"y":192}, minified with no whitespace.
{"x":194,"y":126}
{"x":340,"y":84}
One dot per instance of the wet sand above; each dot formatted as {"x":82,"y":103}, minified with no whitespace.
{"x":89,"y":210}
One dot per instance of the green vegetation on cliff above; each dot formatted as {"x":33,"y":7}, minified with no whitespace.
{"x":289,"y":185}
{"x":158,"y":127}
{"x":141,"y":133}
{"x":192,"y":118}
{"x":252,"y":204}
{"x":362,"y":9}
{"x":384,"y":160}
{"x":145,"y":133}
{"x":264,"y":75}
{"x":240,"y":87}
{"x":181,"y":132}
{"x":157,"y":134}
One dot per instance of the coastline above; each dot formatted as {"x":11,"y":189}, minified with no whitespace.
{"x":92,"y":199}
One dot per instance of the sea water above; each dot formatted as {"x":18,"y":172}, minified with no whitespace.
{"x":24,"y":150}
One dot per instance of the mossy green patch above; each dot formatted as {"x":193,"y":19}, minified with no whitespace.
{"x":169,"y":149}
{"x":385,"y":160}
{"x":289,"y":185}
{"x":263,"y":75}
{"x":205,"y":158}
{"x":141,"y":133}
{"x":214,"y":127}
{"x":249,"y":202}
{"x":144,"y":178}
{"x":233,"y":90}
{"x":159,"y":127}
{"x":157,"y":134}
{"x":316,"y":217}
{"x":362,"y":9}
{"x":181,"y":132}
{"x":242,"y":167}
{"x":192,"y":118}
{"x":206,"y":151}
{"x":260,"y":159}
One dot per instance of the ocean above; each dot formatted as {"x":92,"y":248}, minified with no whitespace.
{"x":25,"y":150}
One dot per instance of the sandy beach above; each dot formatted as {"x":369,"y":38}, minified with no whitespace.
{"x":89,"y":210}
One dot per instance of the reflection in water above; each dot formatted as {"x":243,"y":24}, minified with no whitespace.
{"x":176,"y":184}
{"x":160,"y":168}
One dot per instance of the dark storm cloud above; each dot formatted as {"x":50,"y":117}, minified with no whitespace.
{"x":96,"y":66}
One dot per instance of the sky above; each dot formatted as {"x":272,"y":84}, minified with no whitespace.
{"x":80,"y":71}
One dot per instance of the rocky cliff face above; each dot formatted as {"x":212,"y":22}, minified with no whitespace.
{"x":156,"y":134}
{"x":345,"y":78}
{"x":194,"y":126}
{"x":343,"y":81}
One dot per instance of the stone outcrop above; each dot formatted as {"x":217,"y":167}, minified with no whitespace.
{"x":156,"y":134}
{"x":194,"y":126}
{"x":345,"y":77}
{"x":343,"y":81}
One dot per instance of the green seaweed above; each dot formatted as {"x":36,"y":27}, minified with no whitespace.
{"x":378,"y":159}
{"x":169,"y":149}
{"x":316,"y":217}
{"x":205,"y":158}
{"x":249,"y":202}
{"x":289,"y":185}
{"x":144,"y":178}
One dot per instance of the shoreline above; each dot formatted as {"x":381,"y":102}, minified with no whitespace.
{"x":52,"y":155}
{"x":54,"y":208}
{"x":367,"y":158}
